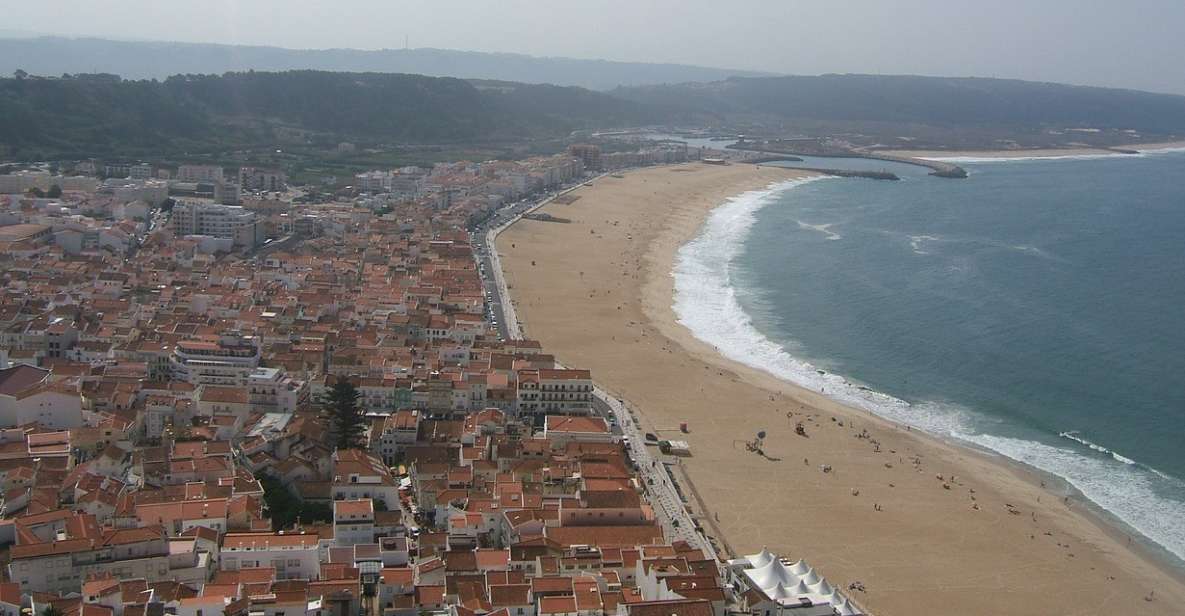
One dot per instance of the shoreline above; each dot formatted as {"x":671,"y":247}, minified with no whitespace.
{"x":1034,"y":153}
{"x":926,"y":526}
{"x":698,"y":282}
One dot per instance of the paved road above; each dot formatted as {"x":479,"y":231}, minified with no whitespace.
{"x":499,"y":308}
{"x":660,"y":490}
{"x":487,"y":259}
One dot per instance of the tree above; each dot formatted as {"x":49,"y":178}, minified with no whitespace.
{"x":346,"y":419}
{"x":20,"y":74}
{"x":55,"y":191}
{"x":51,"y":611}
{"x":285,"y":509}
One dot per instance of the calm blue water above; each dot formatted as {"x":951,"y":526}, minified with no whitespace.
{"x":1036,"y":309}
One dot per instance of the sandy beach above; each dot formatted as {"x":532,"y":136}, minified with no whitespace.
{"x":928,"y":527}
{"x":1032,"y":153}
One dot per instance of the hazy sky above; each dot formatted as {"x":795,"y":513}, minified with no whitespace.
{"x":1129,"y":43}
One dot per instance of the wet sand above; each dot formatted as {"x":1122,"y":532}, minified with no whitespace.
{"x":928,"y":527}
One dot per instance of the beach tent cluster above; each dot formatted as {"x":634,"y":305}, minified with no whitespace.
{"x":789,"y":585}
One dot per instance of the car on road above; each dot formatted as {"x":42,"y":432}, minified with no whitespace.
{"x":651,"y":437}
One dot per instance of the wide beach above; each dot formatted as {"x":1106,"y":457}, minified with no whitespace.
{"x":985,"y":538}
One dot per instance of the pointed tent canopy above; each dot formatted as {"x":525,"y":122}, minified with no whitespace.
{"x":770,"y":575}
{"x":800,"y":589}
{"x":823,"y":588}
{"x":760,"y":560}
{"x":800,"y":567}
{"x":811,"y":578}
{"x":846,"y":608}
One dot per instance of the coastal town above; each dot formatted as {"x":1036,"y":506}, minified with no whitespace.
{"x":181,"y":349}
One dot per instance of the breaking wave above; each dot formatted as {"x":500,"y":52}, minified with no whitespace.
{"x":706,"y":302}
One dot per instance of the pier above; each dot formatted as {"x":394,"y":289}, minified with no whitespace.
{"x":769,"y":151}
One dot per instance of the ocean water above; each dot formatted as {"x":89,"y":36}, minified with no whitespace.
{"x":1035,"y":309}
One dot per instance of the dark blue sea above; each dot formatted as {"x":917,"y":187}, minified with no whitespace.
{"x":1035,"y":309}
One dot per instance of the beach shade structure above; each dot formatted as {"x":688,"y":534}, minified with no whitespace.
{"x":762,"y":559}
{"x":822,"y":588}
{"x":771,"y":575}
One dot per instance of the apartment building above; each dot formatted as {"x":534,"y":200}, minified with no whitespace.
{"x":200,"y":173}
{"x":225,"y":360}
{"x":554,"y":391}
{"x":62,"y":564}
{"x":292,"y":555}
{"x":233,"y":222}
{"x":258,"y":178}
{"x":28,"y":396}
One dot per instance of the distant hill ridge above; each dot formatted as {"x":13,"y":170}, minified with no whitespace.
{"x":910,"y":99}
{"x":51,"y":55}
{"x":102,"y":114}
{"x":99,"y":114}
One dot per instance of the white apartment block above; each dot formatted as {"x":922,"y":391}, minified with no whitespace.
{"x":231,"y":222}
{"x":272,"y":391}
{"x":294,"y":555}
{"x":353,"y":522}
{"x":62,"y":565}
{"x":200,"y":173}
{"x":26,"y":396}
{"x":257,"y":178}
{"x":229,"y":361}
{"x":554,"y":391}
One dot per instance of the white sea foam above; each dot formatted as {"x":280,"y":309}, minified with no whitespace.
{"x":706,"y":303}
{"x":915,"y":243}
{"x":1073,"y":435}
{"x":825,"y":229}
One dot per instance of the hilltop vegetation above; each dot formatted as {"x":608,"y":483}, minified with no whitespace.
{"x":919,"y":107}
{"x":255,"y":114}
{"x":100,"y":114}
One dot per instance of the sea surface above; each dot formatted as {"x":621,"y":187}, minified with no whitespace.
{"x":1035,"y":309}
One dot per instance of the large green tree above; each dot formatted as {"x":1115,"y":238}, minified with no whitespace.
{"x":347,"y":421}
{"x":286,"y":510}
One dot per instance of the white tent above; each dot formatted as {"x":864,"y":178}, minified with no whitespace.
{"x":756,"y":561}
{"x":771,"y":575}
{"x":800,"y":589}
{"x":789,"y":584}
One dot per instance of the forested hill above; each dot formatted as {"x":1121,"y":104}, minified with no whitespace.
{"x":97,"y":114}
{"x":904,"y":100}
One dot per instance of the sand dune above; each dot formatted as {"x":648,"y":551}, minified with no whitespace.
{"x":927,"y":527}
